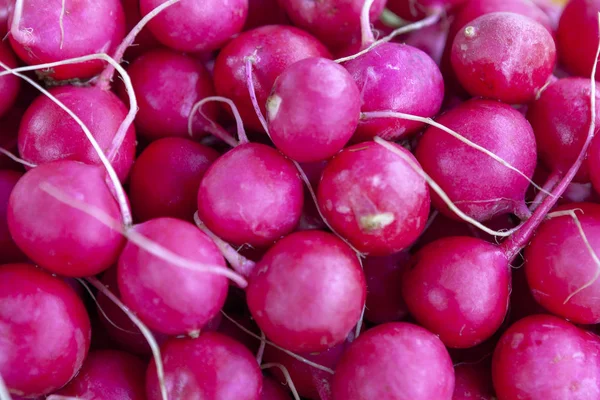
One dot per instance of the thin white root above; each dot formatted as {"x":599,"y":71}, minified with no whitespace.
{"x":261,"y":348}
{"x":60,"y":397}
{"x":119,"y":191}
{"x":252,"y":93}
{"x":4,"y":394}
{"x":61,"y":23}
{"x":140,"y":240}
{"x":366,"y":33}
{"x":21,"y":36}
{"x":440,"y":192}
{"x":287,"y":376}
{"x":456,"y":135}
{"x":160,"y":371}
{"x":241,"y":133}
{"x":360,"y":320}
{"x":289,"y":353}
{"x":16,"y":159}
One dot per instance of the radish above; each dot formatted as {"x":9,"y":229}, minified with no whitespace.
{"x":144,"y":40}
{"x":325,"y":310}
{"x":9,"y":85}
{"x":272,"y":49}
{"x":381,"y":209}
{"x":265,"y":12}
{"x":146,"y":282}
{"x":510,"y":71}
{"x":166,"y":177}
{"x":197,"y":25}
{"x":210,"y":366}
{"x":108,"y":374}
{"x":412,"y":10}
{"x":473,"y":383}
{"x":556,"y":361}
{"x":272,"y":390}
{"x":313,"y":110}
{"x":264,"y":196}
{"x":10,"y":252}
{"x":5,"y":9}
{"x":45,"y":331}
{"x":395,"y":361}
{"x":53,"y":234}
{"x":44,"y":31}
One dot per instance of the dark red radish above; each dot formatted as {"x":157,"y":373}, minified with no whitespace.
{"x":512,"y":71}
{"x":55,"y":235}
{"x":555,"y":360}
{"x":166,"y":176}
{"x":395,"y":361}
{"x":333,"y":22}
{"x":10,"y":252}
{"x":594,"y":167}
{"x":522,"y":301}
{"x":560,"y":119}
{"x":441,"y":227}
{"x":42,"y":31}
{"x":9,"y":84}
{"x":144,"y":40}
{"x":473,"y":382}
{"x":265,"y":12}
{"x":211,"y":366}
{"x":47,"y":133}
{"x":45,"y":331}
{"x":458,"y":288}
{"x":273,"y":390}
{"x":316,"y":282}
{"x":196,"y":25}
{"x":272,"y":49}
{"x":396,"y":77}
{"x":264,"y":196}
{"x":384,"y":287}
{"x":166,"y":97}
{"x":168,"y":298}
{"x":577,"y":36}
{"x":108,"y":374}
{"x":313,"y":109}
{"x":413,"y":10}
{"x":6,"y":7}
{"x":480,"y":186}
{"x":374,"y":199}
{"x":232,"y":324}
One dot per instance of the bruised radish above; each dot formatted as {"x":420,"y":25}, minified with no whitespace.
{"x":479,"y":185}
{"x":9,"y":84}
{"x":212,"y":366}
{"x":58,"y":237}
{"x":47,"y":133}
{"x":10,"y":252}
{"x":307,"y":292}
{"x":395,"y":361}
{"x":42,"y":31}
{"x":263,"y":200}
{"x":196,"y":25}
{"x":272,"y":49}
{"x":374,"y":199}
{"x":45,"y":331}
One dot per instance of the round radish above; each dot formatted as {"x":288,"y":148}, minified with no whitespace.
{"x":9,"y":84}
{"x":396,"y":77}
{"x":45,"y":32}
{"x":108,"y":374}
{"x":513,"y":70}
{"x":313,"y":110}
{"x":272,"y":48}
{"x":316,"y":282}
{"x":47,"y":133}
{"x":10,"y":252}
{"x":166,"y":177}
{"x":212,"y":366}
{"x":473,"y":383}
{"x":45,"y":331}
{"x":144,"y":40}
{"x":196,"y":25}
{"x":479,"y":185}
{"x":263,"y":200}
{"x":57,"y":236}
{"x":374,"y":199}
{"x":147,"y":283}
{"x":272,"y":390}
{"x":395,"y":361}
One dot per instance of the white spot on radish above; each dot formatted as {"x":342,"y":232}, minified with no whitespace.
{"x":470,"y":31}
{"x":375,"y":222}
{"x":273,"y":104}
{"x":343,"y":209}
{"x":517,"y":339}
{"x":437,"y":299}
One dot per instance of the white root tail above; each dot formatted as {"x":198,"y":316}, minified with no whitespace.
{"x":217,"y":130}
{"x":16,"y":159}
{"x":286,"y":375}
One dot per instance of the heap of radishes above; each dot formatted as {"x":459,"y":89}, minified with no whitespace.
{"x":276,"y":199}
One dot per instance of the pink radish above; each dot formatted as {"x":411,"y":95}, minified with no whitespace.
{"x":265,"y":12}
{"x":412,"y":10}
{"x":10,"y":252}
{"x":272,"y":390}
{"x":144,"y":40}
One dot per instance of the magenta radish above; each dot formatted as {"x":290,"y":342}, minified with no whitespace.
{"x":480,"y":186}
{"x":264,"y":196}
{"x":210,"y":366}
{"x":314,"y":277}
{"x":374,"y":199}
{"x":10,"y":252}
{"x":594,"y":168}
{"x":430,"y":39}
{"x":473,"y":382}
{"x":6,"y":7}
{"x":396,"y":77}
{"x":144,"y":40}
{"x":43,"y":31}
{"x":166,"y":97}
{"x":555,"y":360}
{"x":53,"y":234}
{"x":196,"y":26}
{"x":412,"y":10}
{"x":47,"y":133}
{"x":313,"y":109}
{"x":108,"y":374}
{"x":264,"y":12}
{"x":45,"y":331}
{"x":273,"y":390}
{"x":272,"y":49}
{"x":10,"y":84}
{"x":166,"y":177}
{"x":395,"y":361}
{"x":147,"y":283}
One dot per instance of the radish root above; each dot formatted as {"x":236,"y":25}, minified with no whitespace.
{"x":261,"y":348}
{"x":287,"y":376}
{"x":252,"y":92}
{"x":59,"y":397}
{"x":4,"y":394}
{"x":216,"y":129}
{"x":23,"y":36}
{"x":366,"y":33}
{"x":61,"y":24}
{"x":16,"y":159}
